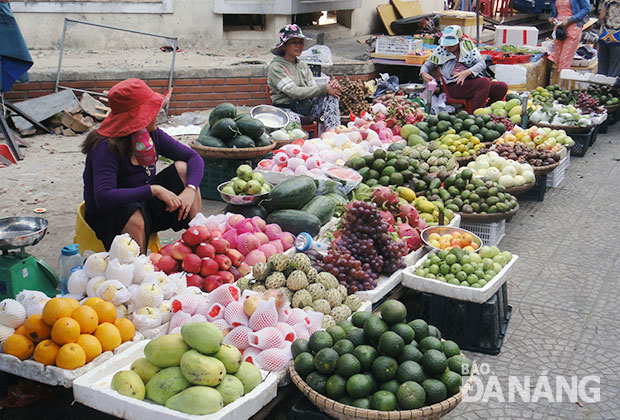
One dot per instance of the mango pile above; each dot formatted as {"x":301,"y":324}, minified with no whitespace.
{"x":191,"y":372}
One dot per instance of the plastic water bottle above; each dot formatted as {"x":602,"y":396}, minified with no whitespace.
{"x":69,"y":261}
{"x":304,"y":242}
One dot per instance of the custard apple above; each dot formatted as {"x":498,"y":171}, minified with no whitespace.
{"x":327,"y":321}
{"x":353,"y":302}
{"x":340,"y":313}
{"x":317,"y":290}
{"x":297,"y":280}
{"x":343,"y":291}
{"x":279,"y":262}
{"x":260,"y":270}
{"x":312,"y":274}
{"x":301,"y":262}
{"x":327,"y":280}
{"x":259,"y":288}
{"x":334,"y":297}
{"x":322,"y":305}
{"x":301,"y":299}
{"x":275,"y":280}
{"x":288,"y":292}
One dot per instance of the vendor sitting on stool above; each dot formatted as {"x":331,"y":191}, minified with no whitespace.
{"x":121,"y":190}
{"x":292,"y":86}
{"x":461,"y":65}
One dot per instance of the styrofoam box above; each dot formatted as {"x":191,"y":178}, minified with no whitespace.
{"x":93,"y":390}
{"x":156,"y":332}
{"x":469,"y":294}
{"x":384,"y":286}
{"x":555,"y":178}
{"x":490,"y":233}
{"x":516,"y":35}
{"x":511,"y":74}
{"x":323,"y":79}
{"x":53,"y":375}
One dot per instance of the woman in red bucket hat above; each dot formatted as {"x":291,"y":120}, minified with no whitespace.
{"x":122,"y":192}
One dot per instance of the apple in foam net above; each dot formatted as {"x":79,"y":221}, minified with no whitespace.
{"x":205,"y":250}
{"x":223,"y":261}
{"x":195,"y":280}
{"x":208,"y":267}
{"x":179,"y":250}
{"x":191,"y":263}
{"x":244,"y":269}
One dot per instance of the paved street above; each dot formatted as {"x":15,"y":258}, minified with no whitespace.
{"x":564,"y":292}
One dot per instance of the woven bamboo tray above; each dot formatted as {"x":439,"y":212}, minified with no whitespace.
{"x":231,"y":153}
{"x":520,"y":189}
{"x":347,"y":412}
{"x":463,"y":161}
{"x":488,"y":218}
{"x":567,"y":128}
{"x":612,"y":108}
{"x":544,"y":170}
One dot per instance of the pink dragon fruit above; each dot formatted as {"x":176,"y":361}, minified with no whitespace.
{"x":408,"y":214}
{"x":410,"y":235}
{"x":385,"y":198}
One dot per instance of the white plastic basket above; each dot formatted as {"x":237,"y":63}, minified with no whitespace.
{"x":555,"y":177}
{"x":470,"y":294}
{"x":397,"y":45}
{"x":490,"y":233}
{"x":93,"y":390}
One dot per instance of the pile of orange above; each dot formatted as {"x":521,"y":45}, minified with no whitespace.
{"x":68,"y":335}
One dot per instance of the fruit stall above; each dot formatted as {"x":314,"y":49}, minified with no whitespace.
{"x":351,"y":267}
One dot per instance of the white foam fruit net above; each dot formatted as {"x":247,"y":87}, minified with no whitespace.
{"x":284,"y":313}
{"x":36,"y":306}
{"x":301,"y":331}
{"x":197,"y":318}
{"x":26,"y":296}
{"x":12,"y":313}
{"x":215,"y":312}
{"x":235,"y":315}
{"x":148,"y":294}
{"x":187,"y":302}
{"x":221,"y":324}
{"x":238,"y":337}
{"x":146,"y":318}
{"x":267,"y":338}
{"x":315,"y":321}
{"x":249,"y":355}
{"x":142,"y":269}
{"x":287,"y":331}
{"x":120,"y":272}
{"x":76,"y":284}
{"x":180,"y":280}
{"x":274,"y":359}
{"x":179,"y":319}
{"x":96,"y":264}
{"x":265,"y":315}
{"x":113,"y":291}
{"x":225,"y":294}
{"x":124,"y":248}
{"x":298,"y":315}
{"x":93,"y":284}
{"x":165,"y":308}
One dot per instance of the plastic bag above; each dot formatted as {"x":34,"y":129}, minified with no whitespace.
{"x":386,"y":84}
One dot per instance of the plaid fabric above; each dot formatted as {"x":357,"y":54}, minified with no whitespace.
{"x":612,"y":16}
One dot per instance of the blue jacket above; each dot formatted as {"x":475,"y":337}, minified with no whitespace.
{"x":581,"y":10}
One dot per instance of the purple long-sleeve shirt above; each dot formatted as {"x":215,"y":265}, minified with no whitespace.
{"x":111,"y":181}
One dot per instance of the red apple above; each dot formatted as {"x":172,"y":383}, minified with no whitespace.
{"x":180,"y":250}
{"x":215,"y":233}
{"x":195,"y":280}
{"x":223,"y":261}
{"x":169,"y":265}
{"x":236,"y":274}
{"x":211,"y":283}
{"x":192,"y":237}
{"x":155,"y":257}
{"x":205,"y":233}
{"x":205,"y":250}
{"x":191,"y":263}
{"x":166,"y":250}
{"x":244,"y":269}
{"x":221,"y":245}
{"x":209,"y":266}
{"x":226,"y":276}
{"x":235,"y":256}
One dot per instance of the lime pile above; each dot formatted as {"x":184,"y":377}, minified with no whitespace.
{"x":389,"y":168}
{"x":463,"y":193}
{"x":380,"y":362}
{"x":465,"y":268}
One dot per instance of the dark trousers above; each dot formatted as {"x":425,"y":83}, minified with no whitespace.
{"x":479,"y":89}
{"x":609,"y":59}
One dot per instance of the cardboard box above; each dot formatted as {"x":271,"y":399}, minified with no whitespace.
{"x":516,"y":35}
{"x":466,"y":20}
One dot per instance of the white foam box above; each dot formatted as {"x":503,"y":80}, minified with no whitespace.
{"x":53,"y":375}
{"x":384,"y":286}
{"x":93,"y":390}
{"x":469,"y":294}
{"x":516,"y":35}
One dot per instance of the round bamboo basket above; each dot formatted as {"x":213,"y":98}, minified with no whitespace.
{"x":488,"y":218}
{"x":567,"y":128}
{"x":544,"y":170}
{"x":520,"y":189}
{"x":231,"y":153}
{"x":347,"y":412}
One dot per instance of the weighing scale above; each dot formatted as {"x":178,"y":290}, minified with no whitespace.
{"x":18,"y":269}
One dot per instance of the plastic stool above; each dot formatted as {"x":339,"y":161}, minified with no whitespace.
{"x":486,"y":8}
{"x":86,"y":238}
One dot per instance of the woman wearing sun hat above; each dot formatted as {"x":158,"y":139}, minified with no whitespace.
{"x":461,"y":65}
{"x":122,"y":192}
{"x":292,"y":86}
